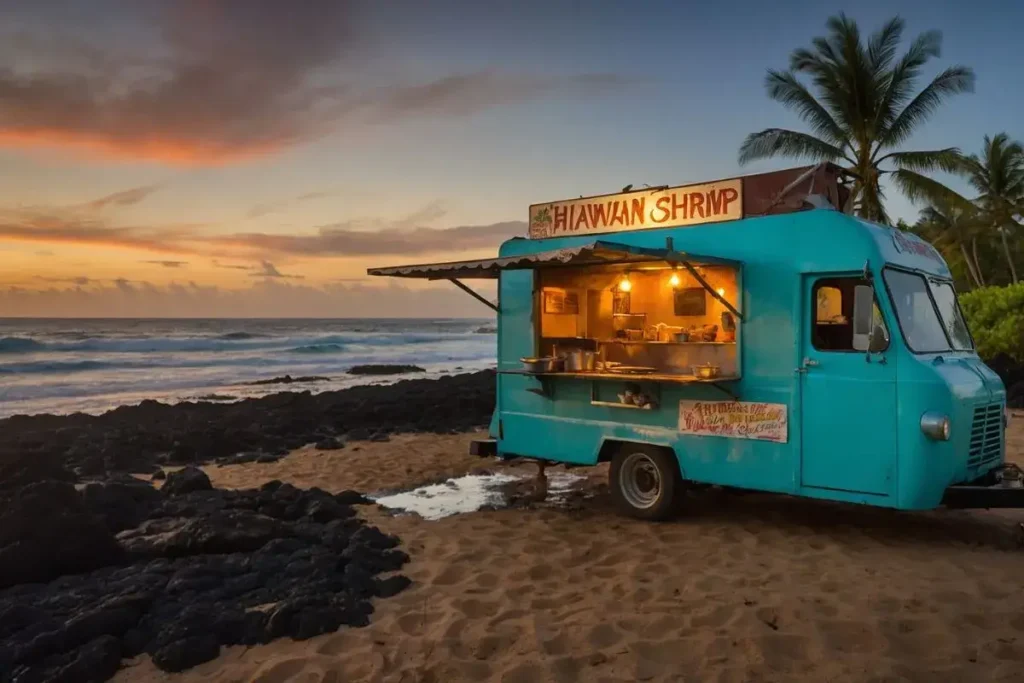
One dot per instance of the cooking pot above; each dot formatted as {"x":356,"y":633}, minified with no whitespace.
{"x":579,"y":360}
{"x":542,"y":364}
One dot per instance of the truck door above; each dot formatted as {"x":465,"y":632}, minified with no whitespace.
{"x":848,"y":395}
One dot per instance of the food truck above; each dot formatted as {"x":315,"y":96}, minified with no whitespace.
{"x":743,"y":333}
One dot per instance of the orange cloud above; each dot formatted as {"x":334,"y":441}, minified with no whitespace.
{"x":152,"y":148}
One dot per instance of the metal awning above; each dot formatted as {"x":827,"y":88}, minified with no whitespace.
{"x":599,"y":253}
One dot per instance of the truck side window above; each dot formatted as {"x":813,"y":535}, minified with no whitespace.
{"x":832,"y":325}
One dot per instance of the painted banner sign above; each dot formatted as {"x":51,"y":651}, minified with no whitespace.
{"x":657,"y":208}
{"x":913,"y":244}
{"x":737,"y":419}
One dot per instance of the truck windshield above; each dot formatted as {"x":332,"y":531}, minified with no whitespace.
{"x":928,"y":313}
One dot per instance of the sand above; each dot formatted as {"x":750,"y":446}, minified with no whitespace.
{"x":741,"y":588}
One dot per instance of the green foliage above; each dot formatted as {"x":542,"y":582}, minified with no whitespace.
{"x":996,"y":318}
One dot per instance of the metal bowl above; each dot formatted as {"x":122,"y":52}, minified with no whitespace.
{"x":542,"y":364}
{"x":708,"y":371}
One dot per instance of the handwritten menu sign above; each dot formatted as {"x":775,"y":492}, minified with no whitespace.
{"x":639,"y":209}
{"x":736,"y":419}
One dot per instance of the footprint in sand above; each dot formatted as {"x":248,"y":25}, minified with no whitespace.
{"x":450,"y":575}
{"x":523,"y":673}
{"x":336,"y":644}
{"x":603,"y":635}
{"x":487,"y":580}
{"x":716,"y":617}
{"x":475,"y":609}
{"x":280,"y":671}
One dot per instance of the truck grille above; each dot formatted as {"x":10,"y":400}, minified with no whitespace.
{"x":986,"y":435}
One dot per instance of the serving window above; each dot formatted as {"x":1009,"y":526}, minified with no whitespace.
{"x":655,"y":316}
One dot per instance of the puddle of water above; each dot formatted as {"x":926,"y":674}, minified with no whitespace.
{"x":468,"y":493}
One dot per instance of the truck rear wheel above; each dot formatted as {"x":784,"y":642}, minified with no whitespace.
{"x":645,"y":482}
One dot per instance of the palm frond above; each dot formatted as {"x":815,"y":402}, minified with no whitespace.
{"x":773,"y":142}
{"x":783,"y":87}
{"x":949,"y":159}
{"x":883,"y":44}
{"x":952,"y":81}
{"x":904,"y":75}
{"x":920,"y":188}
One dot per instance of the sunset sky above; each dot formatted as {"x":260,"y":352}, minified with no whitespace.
{"x":249,"y":158}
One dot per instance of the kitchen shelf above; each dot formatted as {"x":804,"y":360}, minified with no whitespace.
{"x":650,"y":377}
{"x":665,"y":343}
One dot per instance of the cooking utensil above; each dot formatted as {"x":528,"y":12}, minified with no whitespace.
{"x":681,"y":336}
{"x":579,"y":360}
{"x":631,"y":370}
{"x":634,"y":334}
{"x":706,"y":371}
{"x":542,"y":364}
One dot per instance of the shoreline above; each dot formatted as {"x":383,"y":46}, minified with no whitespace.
{"x":148,"y":436}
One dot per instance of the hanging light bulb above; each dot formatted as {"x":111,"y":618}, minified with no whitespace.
{"x":721,"y":291}
{"x":624,"y":284}
{"x":674,"y":280}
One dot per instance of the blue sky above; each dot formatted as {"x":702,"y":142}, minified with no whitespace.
{"x":438,"y":115}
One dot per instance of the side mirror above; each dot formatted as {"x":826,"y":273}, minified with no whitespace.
{"x":863,"y":308}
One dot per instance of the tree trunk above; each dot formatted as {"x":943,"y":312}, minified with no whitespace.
{"x":970,"y":265}
{"x":1009,"y":256}
{"x":977,"y":263}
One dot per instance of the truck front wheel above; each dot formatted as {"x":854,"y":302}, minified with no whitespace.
{"x":645,"y":482}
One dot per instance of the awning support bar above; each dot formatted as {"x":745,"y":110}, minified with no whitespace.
{"x":678,"y":258}
{"x":473,"y":294}
{"x":711,"y":290}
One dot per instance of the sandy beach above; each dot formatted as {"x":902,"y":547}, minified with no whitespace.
{"x":740,"y":588}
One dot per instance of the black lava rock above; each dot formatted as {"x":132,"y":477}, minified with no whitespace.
{"x":186,"y":481}
{"x":46,"y":531}
{"x":331,"y":443}
{"x":152,"y":435}
{"x":201,"y":569}
{"x":187,"y":652}
{"x":384,"y":369}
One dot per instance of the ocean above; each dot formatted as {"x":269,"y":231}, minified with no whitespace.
{"x":93,"y":365}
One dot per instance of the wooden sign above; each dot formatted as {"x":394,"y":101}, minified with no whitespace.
{"x":735,"y":419}
{"x":638,"y":210}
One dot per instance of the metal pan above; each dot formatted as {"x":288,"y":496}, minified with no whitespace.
{"x":632,"y":370}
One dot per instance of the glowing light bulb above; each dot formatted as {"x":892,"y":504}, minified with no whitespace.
{"x":674,"y":280}
{"x":721,"y":291}
{"x":625,"y":285}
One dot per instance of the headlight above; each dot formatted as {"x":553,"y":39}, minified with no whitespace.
{"x":935,"y":426}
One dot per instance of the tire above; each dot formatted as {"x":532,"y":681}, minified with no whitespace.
{"x":645,"y":482}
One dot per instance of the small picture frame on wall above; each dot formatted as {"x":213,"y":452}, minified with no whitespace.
{"x":559,"y":302}
{"x":691,"y":301}
{"x":620,"y":303}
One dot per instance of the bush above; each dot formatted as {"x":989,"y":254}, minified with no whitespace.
{"x":996,"y":318}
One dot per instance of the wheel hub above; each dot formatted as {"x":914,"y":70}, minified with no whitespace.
{"x":640,"y":480}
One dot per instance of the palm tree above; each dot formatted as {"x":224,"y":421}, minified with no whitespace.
{"x":863,"y":110}
{"x":955,"y":225}
{"x":998,"y":176}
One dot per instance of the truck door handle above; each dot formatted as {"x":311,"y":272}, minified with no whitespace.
{"x":810,"y":363}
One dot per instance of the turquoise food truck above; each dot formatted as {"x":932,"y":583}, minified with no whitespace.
{"x":743,"y":333}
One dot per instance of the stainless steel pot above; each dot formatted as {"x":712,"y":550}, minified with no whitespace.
{"x":579,"y":360}
{"x":543,"y":364}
